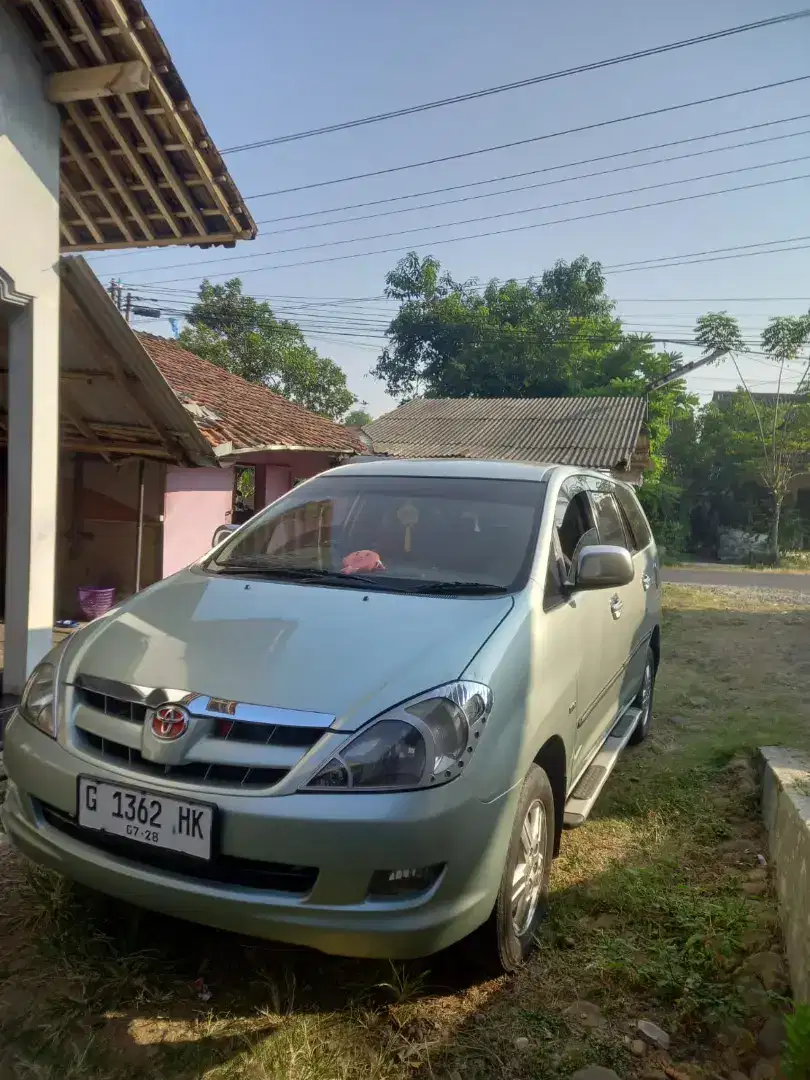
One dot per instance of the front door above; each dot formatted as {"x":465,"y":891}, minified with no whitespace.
{"x":579,"y":623}
{"x":625,"y":604}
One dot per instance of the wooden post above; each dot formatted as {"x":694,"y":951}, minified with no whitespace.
{"x":139,"y":526}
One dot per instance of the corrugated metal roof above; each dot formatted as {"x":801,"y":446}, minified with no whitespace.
{"x":595,"y":432}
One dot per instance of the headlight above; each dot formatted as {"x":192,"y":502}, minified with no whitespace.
{"x":37,"y":704}
{"x":422,"y":743}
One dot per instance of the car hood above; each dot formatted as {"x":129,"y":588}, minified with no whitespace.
{"x":341,"y":651}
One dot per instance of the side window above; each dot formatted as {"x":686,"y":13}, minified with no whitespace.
{"x":573,"y":527}
{"x":608,"y":519}
{"x":639,"y":528}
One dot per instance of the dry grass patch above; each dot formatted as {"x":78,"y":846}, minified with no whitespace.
{"x":656,"y":903}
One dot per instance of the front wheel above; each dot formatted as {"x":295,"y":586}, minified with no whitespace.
{"x":523,"y":895}
{"x":644,"y":701}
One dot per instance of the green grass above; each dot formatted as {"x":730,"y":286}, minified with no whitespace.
{"x":648,"y":920}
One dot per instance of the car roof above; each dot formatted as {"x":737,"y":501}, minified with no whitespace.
{"x":448,"y":467}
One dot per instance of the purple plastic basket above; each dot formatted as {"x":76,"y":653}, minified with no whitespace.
{"x":95,"y":601}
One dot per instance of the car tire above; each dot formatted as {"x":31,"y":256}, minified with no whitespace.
{"x":644,"y":701}
{"x":510,"y":931}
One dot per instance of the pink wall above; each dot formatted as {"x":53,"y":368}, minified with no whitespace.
{"x":196,"y":502}
{"x":282,"y":468}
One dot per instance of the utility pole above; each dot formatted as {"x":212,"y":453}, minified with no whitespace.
{"x":128,"y":308}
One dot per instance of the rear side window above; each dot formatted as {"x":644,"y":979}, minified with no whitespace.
{"x":608,"y":519}
{"x":639,"y":528}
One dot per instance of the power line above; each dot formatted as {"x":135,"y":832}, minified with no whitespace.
{"x":483,"y":217}
{"x":566,"y":165}
{"x":640,"y":263}
{"x":532,"y":139}
{"x":536,"y":80}
{"x":491,"y":232}
{"x":621,"y":299}
{"x":529,"y":172}
{"x":548,"y":183}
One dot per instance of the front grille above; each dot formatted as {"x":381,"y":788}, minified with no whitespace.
{"x":220,"y":870}
{"x":133,"y":711}
{"x":223,"y":728}
{"x":227,"y":775}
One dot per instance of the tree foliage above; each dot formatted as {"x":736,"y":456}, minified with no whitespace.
{"x":754,"y":439}
{"x":552,"y":336}
{"x":357,"y":418}
{"x":242,"y":335}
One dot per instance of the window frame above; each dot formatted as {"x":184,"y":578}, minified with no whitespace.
{"x":607,"y":486}
{"x":631,"y":495}
{"x":572,"y":487}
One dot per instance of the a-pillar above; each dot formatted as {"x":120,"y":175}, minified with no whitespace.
{"x":33,"y":462}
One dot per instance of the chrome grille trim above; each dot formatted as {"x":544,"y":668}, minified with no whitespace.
{"x":231,"y":745}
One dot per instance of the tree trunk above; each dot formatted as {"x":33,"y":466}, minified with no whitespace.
{"x":777,"y":513}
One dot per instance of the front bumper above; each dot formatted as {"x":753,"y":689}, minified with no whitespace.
{"x":347,"y":837}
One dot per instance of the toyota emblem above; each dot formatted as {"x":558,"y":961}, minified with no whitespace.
{"x":169,"y":722}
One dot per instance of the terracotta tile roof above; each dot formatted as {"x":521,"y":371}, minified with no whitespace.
{"x":594,"y":432}
{"x":227,"y":409}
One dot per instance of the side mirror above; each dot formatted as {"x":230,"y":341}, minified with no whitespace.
{"x":222,"y":532}
{"x":600,"y":566}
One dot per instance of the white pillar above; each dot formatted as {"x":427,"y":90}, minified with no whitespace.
{"x":33,"y":464}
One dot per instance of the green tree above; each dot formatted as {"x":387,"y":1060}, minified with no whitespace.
{"x":755,"y":437}
{"x":552,"y":336}
{"x":242,"y":335}
{"x":507,"y":339}
{"x":357,"y":418}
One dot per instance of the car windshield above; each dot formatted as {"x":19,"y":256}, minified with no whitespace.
{"x":398,"y":533}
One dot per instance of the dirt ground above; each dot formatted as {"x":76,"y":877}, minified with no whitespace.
{"x":662,"y":911}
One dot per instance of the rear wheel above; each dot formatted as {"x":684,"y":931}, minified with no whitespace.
{"x":523,"y":895}
{"x":644,"y":701}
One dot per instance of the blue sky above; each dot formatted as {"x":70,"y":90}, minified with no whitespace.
{"x":257,"y":70}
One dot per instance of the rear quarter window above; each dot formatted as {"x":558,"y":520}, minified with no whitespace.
{"x":640,"y":532}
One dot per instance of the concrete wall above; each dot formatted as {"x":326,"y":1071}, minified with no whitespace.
{"x":195,"y":503}
{"x":786,"y":809}
{"x":29,"y":167}
{"x":29,"y":292}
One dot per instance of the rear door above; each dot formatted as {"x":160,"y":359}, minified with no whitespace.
{"x":645,"y":561}
{"x":626,"y":604}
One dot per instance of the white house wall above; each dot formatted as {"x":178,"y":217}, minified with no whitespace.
{"x":29,"y":296}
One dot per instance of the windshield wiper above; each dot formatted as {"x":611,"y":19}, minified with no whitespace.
{"x":306,"y":575}
{"x":460,"y":588}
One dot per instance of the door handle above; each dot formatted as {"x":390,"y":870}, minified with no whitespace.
{"x":616,"y":607}
{"x":646,"y":581}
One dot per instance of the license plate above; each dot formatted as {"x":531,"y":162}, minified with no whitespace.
{"x":157,"y":820}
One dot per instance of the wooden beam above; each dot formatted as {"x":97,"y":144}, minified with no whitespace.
{"x":76,"y":203}
{"x":110,"y":168}
{"x":96,"y":188}
{"x":119,"y":17}
{"x":167,"y":241}
{"x":158,"y":152}
{"x":70,"y":408}
{"x":151,"y":216}
{"x":53,"y":27}
{"x":68,"y":234}
{"x":104,"y":80}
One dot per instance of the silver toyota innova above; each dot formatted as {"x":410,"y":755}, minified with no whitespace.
{"x":361,"y":722}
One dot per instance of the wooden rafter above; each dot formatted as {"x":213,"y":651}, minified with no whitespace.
{"x":138,"y":165}
{"x":86,"y":219}
{"x":96,"y":188}
{"x":112,"y":171}
{"x":120,"y":19}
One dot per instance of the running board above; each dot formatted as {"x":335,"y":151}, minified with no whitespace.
{"x":582,"y":798}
